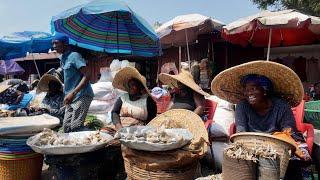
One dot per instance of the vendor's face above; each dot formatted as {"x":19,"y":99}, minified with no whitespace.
{"x":254,"y":93}
{"x":59,"y":46}
{"x":134,"y":88}
{"x":54,"y":87}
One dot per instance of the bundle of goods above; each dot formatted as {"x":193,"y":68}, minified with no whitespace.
{"x":256,"y":155}
{"x":6,"y":113}
{"x":153,"y":139}
{"x":162,"y":98}
{"x":178,"y":163}
{"x":312,"y":113}
{"x":51,"y":142}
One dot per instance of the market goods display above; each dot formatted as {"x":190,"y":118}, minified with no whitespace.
{"x":181,"y":118}
{"x":51,"y":142}
{"x":240,"y":151}
{"x":153,"y":139}
{"x":6,"y":113}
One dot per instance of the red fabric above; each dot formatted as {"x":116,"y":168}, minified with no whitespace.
{"x":260,"y":35}
{"x":210,"y":109}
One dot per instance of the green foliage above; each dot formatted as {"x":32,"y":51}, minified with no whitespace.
{"x":311,"y":7}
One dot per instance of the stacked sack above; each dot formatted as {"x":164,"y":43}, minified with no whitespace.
{"x":105,"y":95}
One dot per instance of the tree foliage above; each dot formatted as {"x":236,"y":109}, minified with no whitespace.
{"x":311,"y":7}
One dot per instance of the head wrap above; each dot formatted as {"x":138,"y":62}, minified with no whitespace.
{"x":260,"y":80}
{"x":61,"y":37}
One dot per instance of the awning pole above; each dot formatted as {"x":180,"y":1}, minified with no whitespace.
{"x":179,"y":59}
{"x":269,"y":44}
{"x":34,"y":61}
{"x":188,"y":53}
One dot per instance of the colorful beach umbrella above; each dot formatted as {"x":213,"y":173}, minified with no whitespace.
{"x":271,"y":29}
{"x":107,"y":26}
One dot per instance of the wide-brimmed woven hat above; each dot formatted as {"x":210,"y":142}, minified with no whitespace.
{"x":121,"y":79}
{"x":4,"y":87}
{"x":286,"y":83}
{"x":43,"y":85}
{"x":183,"y":77}
{"x":181,"y":118}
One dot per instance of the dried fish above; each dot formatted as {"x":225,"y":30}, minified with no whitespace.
{"x":239,"y":151}
{"x":51,"y":138}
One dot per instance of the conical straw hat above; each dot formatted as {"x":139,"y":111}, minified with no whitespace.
{"x":286,"y":83}
{"x":183,"y":77}
{"x":181,"y":118}
{"x":43,"y":85}
{"x":122,"y":78}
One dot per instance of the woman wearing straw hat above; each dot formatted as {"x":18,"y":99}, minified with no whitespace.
{"x":136,"y":106}
{"x":264,"y":92}
{"x":187,"y":95}
{"x":15,"y":99}
{"x":53,"y":101}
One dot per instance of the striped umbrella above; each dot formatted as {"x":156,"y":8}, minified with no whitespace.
{"x":108,"y":26}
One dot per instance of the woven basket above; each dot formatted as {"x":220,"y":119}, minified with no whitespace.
{"x":238,"y":169}
{"x":22,"y":168}
{"x":162,"y":103}
{"x":184,"y":173}
{"x":251,"y":140}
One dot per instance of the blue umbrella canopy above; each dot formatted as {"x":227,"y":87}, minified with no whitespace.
{"x":108,"y":26}
{"x":18,"y":44}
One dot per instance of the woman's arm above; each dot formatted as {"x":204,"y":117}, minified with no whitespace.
{"x":152,"y":109}
{"x":200,"y":103}
{"x":115,"y":114}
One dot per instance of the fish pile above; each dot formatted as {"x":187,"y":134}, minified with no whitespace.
{"x":158,"y":135}
{"x":51,"y":138}
{"x":239,"y":151}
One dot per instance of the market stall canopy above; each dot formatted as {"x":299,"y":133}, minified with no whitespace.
{"x":17,"y":44}
{"x":107,"y":26}
{"x":174,"y":32}
{"x":10,"y":67}
{"x":289,"y":27}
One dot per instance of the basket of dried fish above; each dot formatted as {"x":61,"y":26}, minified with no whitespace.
{"x":153,"y":139}
{"x":238,"y":163}
{"x":53,"y":143}
{"x":253,"y":140}
{"x":184,"y":172}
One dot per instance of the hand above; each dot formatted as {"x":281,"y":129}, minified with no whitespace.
{"x":68,"y":99}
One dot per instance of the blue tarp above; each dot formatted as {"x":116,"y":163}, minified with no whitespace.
{"x":17,"y":44}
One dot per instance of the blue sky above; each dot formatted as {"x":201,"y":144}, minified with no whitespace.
{"x":35,"y":15}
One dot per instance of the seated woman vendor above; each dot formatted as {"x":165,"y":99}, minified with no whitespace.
{"x":135,"y":107}
{"x":187,"y":94}
{"x":53,"y":101}
{"x":13,"y":98}
{"x":261,"y":111}
{"x":264,"y":93}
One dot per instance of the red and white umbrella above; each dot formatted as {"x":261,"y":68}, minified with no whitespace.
{"x":184,"y":30}
{"x":272,"y":29}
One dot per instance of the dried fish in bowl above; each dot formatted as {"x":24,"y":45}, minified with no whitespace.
{"x":51,"y":138}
